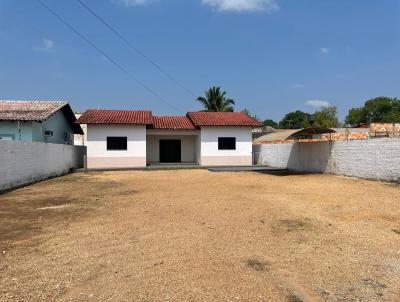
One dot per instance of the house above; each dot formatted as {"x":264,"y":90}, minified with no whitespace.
{"x":38,"y":121}
{"x":136,"y":138}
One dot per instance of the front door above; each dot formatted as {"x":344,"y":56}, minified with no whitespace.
{"x":170,"y":150}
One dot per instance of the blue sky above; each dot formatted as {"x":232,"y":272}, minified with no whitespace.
{"x":271,"y":56}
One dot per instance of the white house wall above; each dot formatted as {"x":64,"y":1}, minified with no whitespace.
{"x":211,"y":156}
{"x":98,"y":157}
{"x":188,"y":152}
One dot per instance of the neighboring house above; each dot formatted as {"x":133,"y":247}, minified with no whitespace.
{"x":80,"y":139}
{"x":311,"y":135}
{"x":133,"y":138}
{"x":38,"y":121}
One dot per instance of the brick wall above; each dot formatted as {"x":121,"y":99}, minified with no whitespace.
{"x":25,"y":162}
{"x":377,"y":158}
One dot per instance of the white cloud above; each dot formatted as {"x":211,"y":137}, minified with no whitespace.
{"x":133,"y":2}
{"x":221,"y":5}
{"x":47,"y":45}
{"x":243,"y":5}
{"x":298,"y":86}
{"x":318,"y":103}
{"x":324,"y":51}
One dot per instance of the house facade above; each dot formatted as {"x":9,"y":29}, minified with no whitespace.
{"x":38,"y":121}
{"x":134,"y":138}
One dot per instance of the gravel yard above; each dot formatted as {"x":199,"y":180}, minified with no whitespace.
{"x":194,"y":235}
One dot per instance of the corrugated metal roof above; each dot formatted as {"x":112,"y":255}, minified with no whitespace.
{"x":12,"y":110}
{"x":276,"y":136}
{"x":283,"y":135}
{"x":101,"y":116}
{"x":172,"y":122}
{"x":222,"y":119}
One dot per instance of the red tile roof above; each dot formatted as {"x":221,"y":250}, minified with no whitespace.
{"x":100,"y":116}
{"x":222,"y":119}
{"x":172,"y":122}
{"x":28,"y":110}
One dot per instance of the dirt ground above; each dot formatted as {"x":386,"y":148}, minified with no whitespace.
{"x":194,"y":235}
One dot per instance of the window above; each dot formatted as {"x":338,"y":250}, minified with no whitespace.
{"x":48,"y":133}
{"x":7,"y":137}
{"x":117,"y":143}
{"x":226,"y":143}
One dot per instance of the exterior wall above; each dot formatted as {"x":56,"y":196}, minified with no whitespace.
{"x":98,"y":157}
{"x":33,"y":131}
{"x":11,"y":129}
{"x":188,"y":145}
{"x":25,"y":162}
{"x":79,"y":139}
{"x":211,"y":156}
{"x":62,"y":130}
{"x":377,"y":159}
{"x":272,"y":155}
{"x":198,"y":149}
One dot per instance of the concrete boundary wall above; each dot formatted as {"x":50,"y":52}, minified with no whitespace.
{"x":26,"y":162}
{"x":377,"y":158}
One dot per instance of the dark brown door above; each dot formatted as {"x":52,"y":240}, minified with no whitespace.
{"x":170,"y":151}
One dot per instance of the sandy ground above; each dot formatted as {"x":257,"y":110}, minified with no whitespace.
{"x":194,"y":235}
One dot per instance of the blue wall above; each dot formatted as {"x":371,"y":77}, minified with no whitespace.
{"x":33,"y":131}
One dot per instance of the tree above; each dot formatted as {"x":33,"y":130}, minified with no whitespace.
{"x":215,"y":100}
{"x":295,"y":120}
{"x":271,"y":123}
{"x":326,"y":117}
{"x":377,"y":110}
{"x":247,"y":112}
{"x":354,"y":116}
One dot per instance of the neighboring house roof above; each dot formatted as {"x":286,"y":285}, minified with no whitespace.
{"x":36,"y":111}
{"x":101,"y":116}
{"x":222,"y":119}
{"x":276,"y":136}
{"x":172,"y":122}
{"x":28,"y":110}
{"x":291,"y":133}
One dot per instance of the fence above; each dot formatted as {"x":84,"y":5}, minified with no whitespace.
{"x":25,"y":162}
{"x":377,"y":158}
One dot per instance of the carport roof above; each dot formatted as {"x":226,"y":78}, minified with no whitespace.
{"x":292,"y":133}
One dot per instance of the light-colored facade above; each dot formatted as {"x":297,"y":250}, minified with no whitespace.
{"x":211,"y":155}
{"x":98,"y":156}
{"x":143,"y":146}
{"x":116,"y":140}
{"x":80,"y":139}
{"x":189,"y":144}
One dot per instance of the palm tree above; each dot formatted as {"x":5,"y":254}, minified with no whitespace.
{"x":215,"y":100}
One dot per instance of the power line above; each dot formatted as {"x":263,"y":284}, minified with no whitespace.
{"x":137,"y":50}
{"x":115,"y":63}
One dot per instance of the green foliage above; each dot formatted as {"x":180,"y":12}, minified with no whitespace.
{"x":271,"y":123}
{"x":326,"y":117}
{"x":215,"y":100}
{"x":295,"y":120}
{"x":379,"y":110}
{"x":247,"y":112}
{"x":354,"y":116}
